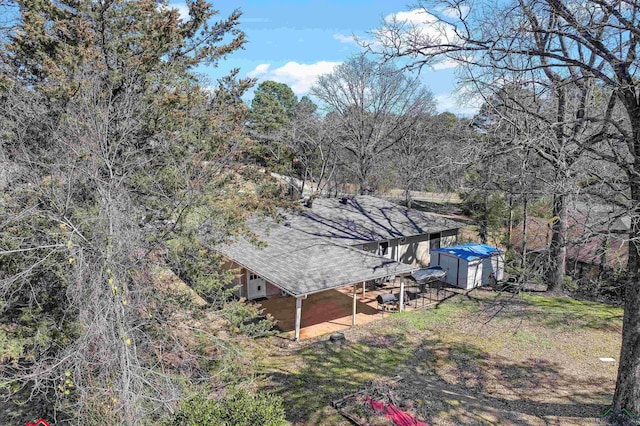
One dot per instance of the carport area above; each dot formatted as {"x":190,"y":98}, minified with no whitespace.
{"x":319,"y":281}
{"x":325,"y":312}
{"x":332,"y":310}
{"x":303,"y":265}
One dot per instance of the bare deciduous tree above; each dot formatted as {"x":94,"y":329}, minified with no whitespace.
{"x":434,"y":153}
{"x":374,"y":106}
{"x":567,"y":47}
{"x":312,"y":140}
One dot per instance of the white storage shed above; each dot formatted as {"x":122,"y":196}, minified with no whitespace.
{"x":469,"y":265}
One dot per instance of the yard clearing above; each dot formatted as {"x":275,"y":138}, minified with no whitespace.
{"x":477,"y":359}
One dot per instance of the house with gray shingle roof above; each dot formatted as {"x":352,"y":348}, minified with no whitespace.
{"x":336,"y":243}
{"x":379,"y":226}
{"x":300,"y":264}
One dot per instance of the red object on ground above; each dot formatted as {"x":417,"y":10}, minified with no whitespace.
{"x":399,"y":417}
{"x":39,"y":422}
{"x":377,"y":406}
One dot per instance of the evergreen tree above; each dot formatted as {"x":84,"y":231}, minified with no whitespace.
{"x":118,"y":157}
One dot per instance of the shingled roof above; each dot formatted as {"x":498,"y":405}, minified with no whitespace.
{"x":363,"y":219}
{"x":302,"y":264}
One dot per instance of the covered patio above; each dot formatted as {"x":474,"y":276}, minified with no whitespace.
{"x":305,"y":267}
{"x":325,"y":312}
{"x":332,"y":310}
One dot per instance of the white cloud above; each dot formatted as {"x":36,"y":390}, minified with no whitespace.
{"x":416,"y":29}
{"x":444,"y":64}
{"x":452,"y":103}
{"x":258,"y":71}
{"x":183,"y":10}
{"x":344,"y":38}
{"x":300,"y":77}
{"x":415,"y":16}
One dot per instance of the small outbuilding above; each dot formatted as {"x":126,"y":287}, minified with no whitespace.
{"x":469,"y":265}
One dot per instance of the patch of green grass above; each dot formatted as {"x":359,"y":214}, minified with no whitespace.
{"x":572,"y":305}
{"x":424,"y":320}
{"x":330,"y":371}
{"x":449,"y":344}
{"x":527,"y":338}
{"x":444,"y":313}
{"x":357,"y":361}
{"x":557,"y":312}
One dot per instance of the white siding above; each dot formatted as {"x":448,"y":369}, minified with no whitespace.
{"x":493,"y":265}
{"x":463,"y":273}
{"x":449,"y":264}
{"x":474,"y":278}
{"x":499,"y":267}
{"x":414,"y":250}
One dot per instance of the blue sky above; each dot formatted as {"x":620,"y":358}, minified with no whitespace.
{"x":295,"y":41}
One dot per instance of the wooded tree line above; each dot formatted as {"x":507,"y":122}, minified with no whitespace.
{"x":559,"y":80}
{"x":375,"y":128}
{"x":116,"y":159}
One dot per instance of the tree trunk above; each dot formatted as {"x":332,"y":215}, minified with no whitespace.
{"x":510,"y":222}
{"x":362,"y":190}
{"x":558,"y":246}
{"x":524,"y":232}
{"x":627,"y":394}
{"x":482,"y":221}
{"x":304,"y":179}
{"x":603,"y":258}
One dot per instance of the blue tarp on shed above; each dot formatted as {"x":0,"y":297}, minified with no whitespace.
{"x":469,"y":251}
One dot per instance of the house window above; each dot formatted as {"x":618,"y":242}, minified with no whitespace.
{"x":384,"y":248}
{"x":434,"y":241}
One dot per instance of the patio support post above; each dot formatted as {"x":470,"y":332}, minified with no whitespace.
{"x":364,"y":283}
{"x":298,"y":317}
{"x":355,"y":300}
{"x":401,"y":294}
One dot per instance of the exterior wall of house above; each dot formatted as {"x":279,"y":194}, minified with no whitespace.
{"x":239,"y":278}
{"x":240,"y":281}
{"x":414,"y":250}
{"x":423,"y":253}
{"x":272,"y":290}
{"x":370,"y":247}
{"x":393,"y":250}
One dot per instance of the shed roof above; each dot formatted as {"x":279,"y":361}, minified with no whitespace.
{"x":301,"y":264}
{"x":469,"y":251}
{"x":363,"y":219}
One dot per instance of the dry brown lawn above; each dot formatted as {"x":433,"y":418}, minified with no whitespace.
{"x":480,"y":359}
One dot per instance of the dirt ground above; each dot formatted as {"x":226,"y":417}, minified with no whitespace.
{"x":481,"y":359}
